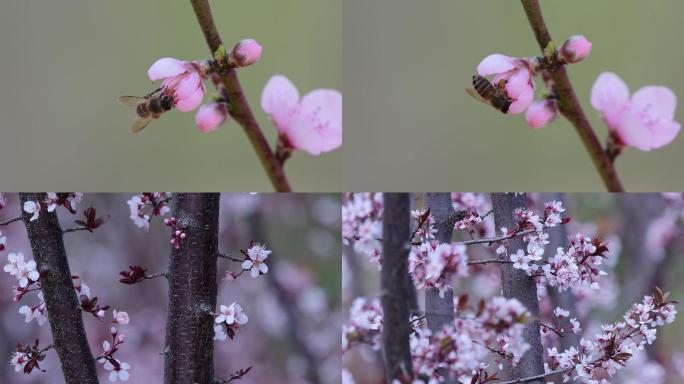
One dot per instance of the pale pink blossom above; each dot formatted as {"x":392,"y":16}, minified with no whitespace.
{"x":541,"y":113}
{"x":312,"y":123}
{"x":575,"y":49}
{"x":517,"y":77}
{"x":256,"y":262}
{"x":231,"y":315}
{"x":211,"y":116}
{"x":32,"y":207}
{"x":183,"y":81}
{"x":246,"y":52}
{"x":119,"y":372}
{"x":644,"y":121}
{"x":121,"y":317}
{"x":3,"y":241}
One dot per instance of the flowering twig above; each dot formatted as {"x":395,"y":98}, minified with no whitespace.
{"x":76,"y":230}
{"x":229,"y":257}
{"x":569,"y":105}
{"x":237,"y":102}
{"x":10,"y":221}
{"x":489,"y":261}
{"x":535,"y":377}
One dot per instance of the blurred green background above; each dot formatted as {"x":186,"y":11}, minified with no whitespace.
{"x":409,"y":122}
{"x":64,"y":63}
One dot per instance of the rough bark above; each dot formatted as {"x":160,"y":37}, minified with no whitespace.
{"x":440,"y":310}
{"x":189,"y":350}
{"x":395,"y":248}
{"x":289,"y":306}
{"x":64,"y":311}
{"x":517,"y":285}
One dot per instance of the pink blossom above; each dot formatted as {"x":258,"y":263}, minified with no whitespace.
{"x":256,"y":257}
{"x":121,"y":317}
{"x":246,"y":52}
{"x":3,"y":241}
{"x":541,"y":113}
{"x":183,"y":81}
{"x":644,"y":121}
{"x":211,"y":116}
{"x":517,"y":77}
{"x":119,"y":372}
{"x":312,"y":123}
{"x":575,"y":49}
{"x":32,"y":207}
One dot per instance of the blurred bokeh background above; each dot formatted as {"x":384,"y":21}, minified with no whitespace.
{"x":65,"y":63}
{"x":645,"y":236}
{"x":302,"y":230}
{"x":409,"y":122}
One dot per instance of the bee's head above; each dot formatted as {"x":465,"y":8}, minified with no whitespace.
{"x":167,"y":102}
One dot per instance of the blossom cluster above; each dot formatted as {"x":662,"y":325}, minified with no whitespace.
{"x":118,"y":369}
{"x":599,"y":359}
{"x":365,"y":324}
{"x":362,"y":224}
{"x":68,"y":200}
{"x":147,"y":205}
{"x":228,"y":320}
{"x":434,"y":264}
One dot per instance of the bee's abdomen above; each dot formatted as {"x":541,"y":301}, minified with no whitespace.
{"x":483,"y":87}
{"x":142,"y":110}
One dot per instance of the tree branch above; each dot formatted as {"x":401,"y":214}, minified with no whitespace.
{"x":10,"y":221}
{"x":517,"y":285}
{"x":536,"y":377}
{"x":189,"y":350}
{"x":238,"y":105}
{"x":569,"y":105}
{"x":64,"y":312}
{"x":395,"y":249}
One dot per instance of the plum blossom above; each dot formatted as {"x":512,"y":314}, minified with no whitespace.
{"x":256,"y":259}
{"x":3,"y":241}
{"x":246,"y":52}
{"x":312,"y":123}
{"x":231,"y":318}
{"x":67,"y":199}
{"x":182,"y":80}
{"x":32,"y":207}
{"x":25,"y":272}
{"x":364,"y":325}
{"x":541,"y":113}
{"x":211,"y":116}
{"x":121,"y":317}
{"x":118,"y":371}
{"x":644,"y":121}
{"x":145,"y":206}
{"x":36,"y":312}
{"x":514,"y":75}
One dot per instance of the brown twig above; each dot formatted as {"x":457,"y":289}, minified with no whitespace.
{"x":489,"y":261}
{"x":536,"y":377}
{"x":237,"y":102}
{"x":10,"y":221}
{"x":569,"y":105}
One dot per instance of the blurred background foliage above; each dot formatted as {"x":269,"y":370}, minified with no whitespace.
{"x":65,"y":63}
{"x":302,"y":230}
{"x":410,"y":123}
{"x":645,"y":236}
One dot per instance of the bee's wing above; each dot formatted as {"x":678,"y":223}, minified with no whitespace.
{"x":139,"y":123}
{"x":131,"y":101}
{"x":472,"y":92}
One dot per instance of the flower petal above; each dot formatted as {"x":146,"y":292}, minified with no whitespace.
{"x":609,"y":92}
{"x":632,"y":131}
{"x":279,"y":95}
{"x":323,"y":111}
{"x":166,"y":67}
{"x":664,"y":133}
{"x":518,"y":83}
{"x":191,"y":102}
{"x":657,"y":101}
{"x":495,"y":63}
{"x":524,"y":101}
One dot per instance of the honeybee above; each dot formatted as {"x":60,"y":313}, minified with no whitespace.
{"x":147,"y":108}
{"x":486,"y":92}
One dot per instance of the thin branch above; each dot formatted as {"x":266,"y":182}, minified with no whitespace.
{"x":158,"y":274}
{"x":536,"y":377}
{"x":77,"y":229}
{"x":569,"y":105}
{"x":489,"y":261}
{"x":238,"y":105}
{"x":491,"y":240}
{"x":229,"y":257}
{"x":10,"y":221}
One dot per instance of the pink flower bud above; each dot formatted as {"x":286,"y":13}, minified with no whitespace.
{"x":541,"y":113}
{"x":575,"y":49}
{"x":246,"y":52}
{"x":211,"y":116}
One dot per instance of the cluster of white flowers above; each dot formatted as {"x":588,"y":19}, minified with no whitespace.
{"x":598,"y":359}
{"x":256,"y":259}
{"x":54,"y":199}
{"x":578,"y":265}
{"x":476,"y":206}
{"x":434,"y":264}
{"x":365,"y":324}
{"x":24,"y":271}
{"x":462,"y":347}
{"x":362,"y":224}
{"x":146,"y":205}
{"x":228,"y":320}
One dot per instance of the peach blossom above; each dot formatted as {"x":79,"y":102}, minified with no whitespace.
{"x":183,"y":80}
